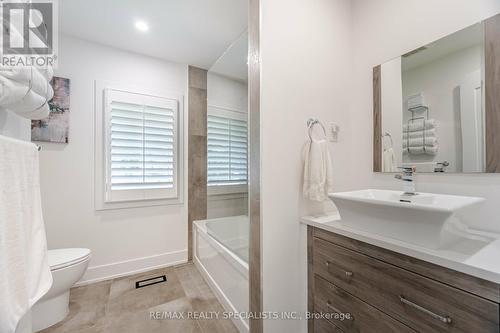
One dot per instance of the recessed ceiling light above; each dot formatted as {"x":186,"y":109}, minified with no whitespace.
{"x":141,"y":26}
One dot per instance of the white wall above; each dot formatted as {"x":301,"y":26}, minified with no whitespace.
{"x":306,"y":56}
{"x":227,"y":93}
{"x":120,"y":240}
{"x":385,"y":29}
{"x":392,"y":107}
{"x":440,"y":81}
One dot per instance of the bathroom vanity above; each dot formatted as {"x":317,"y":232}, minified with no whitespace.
{"x":409,"y":261}
{"x":390,"y":262}
{"x":384,"y":291}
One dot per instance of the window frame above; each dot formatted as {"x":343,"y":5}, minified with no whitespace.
{"x":225,"y":112}
{"x":139,"y":197}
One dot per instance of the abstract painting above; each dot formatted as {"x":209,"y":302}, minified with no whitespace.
{"x":54,"y":128}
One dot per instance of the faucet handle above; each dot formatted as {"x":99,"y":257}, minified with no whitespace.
{"x":408,"y":170}
{"x":443,"y":164}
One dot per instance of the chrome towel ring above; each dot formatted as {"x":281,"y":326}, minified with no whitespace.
{"x":310,"y":125}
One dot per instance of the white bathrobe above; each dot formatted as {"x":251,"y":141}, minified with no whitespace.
{"x":318,"y":171}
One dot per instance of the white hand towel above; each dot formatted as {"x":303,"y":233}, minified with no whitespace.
{"x":318,"y":171}
{"x":419,"y":134}
{"x":421,"y":151}
{"x":24,"y":270}
{"x":389,"y":161}
{"x":430,"y":141}
{"x":419,"y":125}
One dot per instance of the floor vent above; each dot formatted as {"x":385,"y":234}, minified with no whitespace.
{"x":151,"y":281}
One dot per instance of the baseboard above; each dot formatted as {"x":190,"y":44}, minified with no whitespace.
{"x":134,"y":266}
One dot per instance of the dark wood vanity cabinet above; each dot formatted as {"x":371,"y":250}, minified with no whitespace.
{"x":357,"y":287}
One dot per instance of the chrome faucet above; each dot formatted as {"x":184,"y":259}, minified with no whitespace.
{"x":408,"y":179}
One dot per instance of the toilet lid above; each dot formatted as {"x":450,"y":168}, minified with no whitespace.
{"x":61,"y":258}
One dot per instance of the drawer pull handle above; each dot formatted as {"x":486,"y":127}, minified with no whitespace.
{"x":334,"y":309}
{"x":446,"y":320}
{"x":347,"y":273}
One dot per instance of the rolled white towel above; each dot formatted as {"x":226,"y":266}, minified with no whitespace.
{"x":419,"y":134}
{"x":11,"y":92}
{"x":419,"y":125}
{"x":415,"y":101}
{"x":429,"y":141}
{"x":37,"y":79}
{"x":40,"y":113}
{"x":421,"y":151}
{"x":32,"y":106}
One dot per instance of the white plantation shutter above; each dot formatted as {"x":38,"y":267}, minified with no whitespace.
{"x":141,"y":147}
{"x":227,"y":148}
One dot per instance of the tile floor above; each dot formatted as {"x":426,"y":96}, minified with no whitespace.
{"x":116,"y":306}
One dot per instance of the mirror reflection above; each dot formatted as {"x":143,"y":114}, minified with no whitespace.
{"x":432,"y":106}
{"x":227,"y":148}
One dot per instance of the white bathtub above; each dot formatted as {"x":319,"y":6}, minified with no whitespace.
{"x":220,"y":248}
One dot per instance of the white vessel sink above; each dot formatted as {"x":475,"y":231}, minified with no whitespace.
{"x":428,"y":220}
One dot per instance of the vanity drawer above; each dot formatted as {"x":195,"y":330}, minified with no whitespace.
{"x":421,"y":303}
{"x":363,"y":317}
{"x":324,"y":326}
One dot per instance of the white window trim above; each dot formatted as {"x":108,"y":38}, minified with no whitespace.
{"x":225,"y":190}
{"x":100,"y":156}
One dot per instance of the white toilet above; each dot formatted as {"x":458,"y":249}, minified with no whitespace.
{"x":67,"y":267}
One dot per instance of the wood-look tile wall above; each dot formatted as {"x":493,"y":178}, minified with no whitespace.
{"x":197,"y":150}
{"x":492,"y":92}
{"x":255,"y":259}
{"x":377,"y":119}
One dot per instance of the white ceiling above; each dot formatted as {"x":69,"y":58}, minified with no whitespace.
{"x":196,"y":32}
{"x":233,"y":63}
{"x":463,"y":39}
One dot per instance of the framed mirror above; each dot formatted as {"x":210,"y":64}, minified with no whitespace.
{"x":437,"y":108}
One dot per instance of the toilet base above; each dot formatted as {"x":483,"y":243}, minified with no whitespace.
{"x":49,"y":312}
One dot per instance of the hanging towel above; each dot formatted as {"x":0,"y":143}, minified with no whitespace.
{"x":430,"y":141}
{"x":24,"y":270}
{"x":419,"y":134}
{"x":318,"y":171}
{"x":389,"y":161}
{"x":419,"y":125}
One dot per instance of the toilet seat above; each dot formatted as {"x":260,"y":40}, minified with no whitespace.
{"x":62,"y":258}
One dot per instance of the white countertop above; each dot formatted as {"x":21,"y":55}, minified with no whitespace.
{"x":484,"y":264}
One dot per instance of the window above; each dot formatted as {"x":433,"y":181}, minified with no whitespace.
{"x":227,"y":151}
{"x":140,"y":147}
